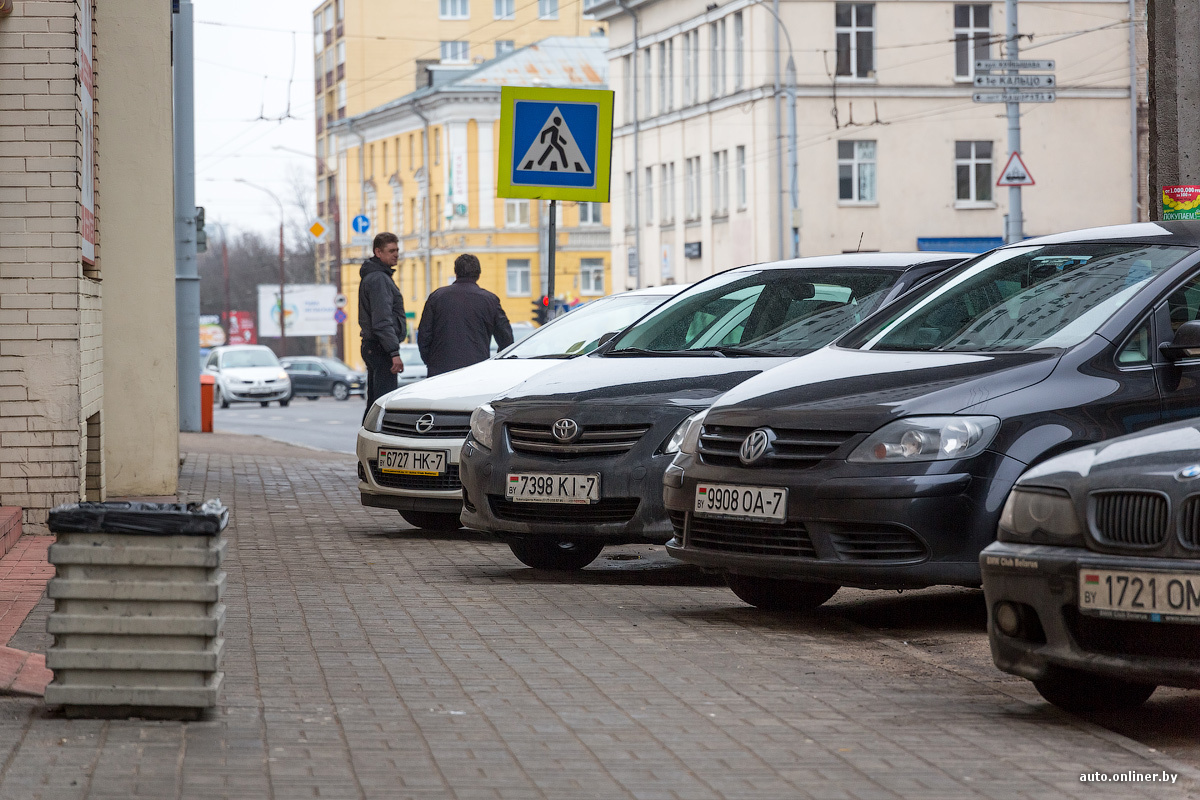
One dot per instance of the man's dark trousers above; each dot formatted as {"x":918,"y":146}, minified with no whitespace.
{"x":380,"y":379}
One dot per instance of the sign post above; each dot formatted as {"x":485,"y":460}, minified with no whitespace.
{"x":555,"y":144}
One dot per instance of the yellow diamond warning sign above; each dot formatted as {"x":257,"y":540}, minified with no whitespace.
{"x":317,"y":229}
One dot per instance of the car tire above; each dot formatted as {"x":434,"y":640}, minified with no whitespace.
{"x":340,"y":391}
{"x":1081,"y":692}
{"x":264,"y":403}
{"x":311,"y":396}
{"x":432,"y":520}
{"x":221,"y":398}
{"x":283,"y":403}
{"x":773,"y":594}
{"x":544,"y":552}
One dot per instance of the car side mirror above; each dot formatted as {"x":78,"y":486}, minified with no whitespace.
{"x":1186,"y":343}
{"x":606,"y":338}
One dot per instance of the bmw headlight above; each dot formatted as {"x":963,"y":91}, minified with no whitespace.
{"x":483,"y":421}
{"x":374,"y":418}
{"x":686,"y":436}
{"x":926,"y":439}
{"x":1035,"y":514}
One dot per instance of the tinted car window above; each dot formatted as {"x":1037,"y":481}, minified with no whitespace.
{"x":579,"y":331}
{"x":248,"y":358}
{"x":1184,"y":303}
{"x":1021,"y":298}
{"x":773,"y":312}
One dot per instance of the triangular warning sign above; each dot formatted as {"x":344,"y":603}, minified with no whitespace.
{"x":554,"y":149}
{"x":1015,"y":173}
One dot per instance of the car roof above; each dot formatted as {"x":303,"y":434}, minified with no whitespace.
{"x":666,"y":290}
{"x":888,"y":261}
{"x":1178,"y":232}
{"x":225,"y":348}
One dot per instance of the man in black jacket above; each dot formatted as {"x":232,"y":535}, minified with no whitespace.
{"x":381,"y":318}
{"x":460,"y":321}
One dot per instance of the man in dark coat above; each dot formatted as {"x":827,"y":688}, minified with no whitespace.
{"x":381,"y":317}
{"x":460,"y":321}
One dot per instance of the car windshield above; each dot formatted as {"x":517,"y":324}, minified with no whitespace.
{"x":1021,"y":298}
{"x":775,"y":312}
{"x":579,"y":331}
{"x":248,"y":358}
{"x":410,"y":354}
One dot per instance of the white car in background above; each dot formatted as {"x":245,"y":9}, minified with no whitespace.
{"x":247,"y":373}
{"x":409,"y":444}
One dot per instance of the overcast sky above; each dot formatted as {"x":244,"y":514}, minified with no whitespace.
{"x":244,"y":60}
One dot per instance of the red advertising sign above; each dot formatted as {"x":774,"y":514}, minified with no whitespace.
{"x":241,"y":328}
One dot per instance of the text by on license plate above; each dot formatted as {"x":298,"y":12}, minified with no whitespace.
{"x":1130,"y":594}
{"x":542,"y":487}
{"x":412,"y":462}
{"x":741,"y":502}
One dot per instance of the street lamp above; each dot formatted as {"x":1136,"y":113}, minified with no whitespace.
{"x":282,"y":276}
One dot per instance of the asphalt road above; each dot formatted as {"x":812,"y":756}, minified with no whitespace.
{"x":325,"y":423}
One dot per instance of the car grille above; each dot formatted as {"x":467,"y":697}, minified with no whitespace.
{"x":448,"y":481}
{"x":876,"y":543}
{"x":793,"y":449}
{"x":445,"y":424}
{"x":1139,"y":519}
{"x":1133,"y":637}
{"x":1189,"y":522}
{"x":593,"y":440}
{"x":608,"y":510}
{"x":748,"y":538}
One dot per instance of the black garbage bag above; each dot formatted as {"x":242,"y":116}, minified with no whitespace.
{"x":164,"y":519}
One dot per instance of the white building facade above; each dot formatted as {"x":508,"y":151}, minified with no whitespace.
{"x":891,"y":151}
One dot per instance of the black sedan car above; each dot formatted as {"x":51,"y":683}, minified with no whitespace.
{"x":884,"y":460}
{"x":1093,"y":589}
{"x":317,"y":376}
{"x":572,"y":459}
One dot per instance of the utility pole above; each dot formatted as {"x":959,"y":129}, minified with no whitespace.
{"x":1016,"y":218}
{"x":1174,"y":90}
{"x":637,"y":129}
{"x":187,"y":276}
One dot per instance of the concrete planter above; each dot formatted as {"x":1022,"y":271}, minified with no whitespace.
{"x":137,"y":614}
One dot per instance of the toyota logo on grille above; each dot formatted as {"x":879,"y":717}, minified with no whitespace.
{"x":756,"y":446}
{"x":425,"y":423}
{"x":565,"y":430}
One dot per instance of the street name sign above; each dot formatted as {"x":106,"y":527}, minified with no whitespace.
{"x":555,"y":144}
{"x":1008,"y":63}
{"x":1015,"y":173}
{"x":360,"y":240}
{"x":1014,"y":81}
{"x":1014,"y":97}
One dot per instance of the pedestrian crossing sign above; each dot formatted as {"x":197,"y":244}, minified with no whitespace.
{"x":555,"y":144}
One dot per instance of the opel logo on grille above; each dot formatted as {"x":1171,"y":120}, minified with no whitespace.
{"x":1188,"y":473}
{"x":425,"y":423}
{"x":565,"y":430}
{"x":756,"y":446}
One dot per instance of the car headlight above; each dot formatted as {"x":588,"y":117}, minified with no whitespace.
{"x":374,"y":418}
{"x":282,"y":376}
{"x":927,"y":439}
{"x":686,"y":436}
{"x":483,"y":421}
{"x":1034,"y":514}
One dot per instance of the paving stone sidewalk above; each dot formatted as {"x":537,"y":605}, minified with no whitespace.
{"x":369,"y":660}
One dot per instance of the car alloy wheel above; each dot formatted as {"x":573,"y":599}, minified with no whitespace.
{"x":547,"y":552}
{"x":773,"y":594}
{"x":1081,"y":692}
{"x":341,"y":391}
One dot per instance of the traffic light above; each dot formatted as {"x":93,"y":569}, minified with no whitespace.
{"x":541,"y":310}
{"x":201,"y":236}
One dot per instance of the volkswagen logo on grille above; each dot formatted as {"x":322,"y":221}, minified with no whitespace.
{"x":565,"y":430}
{"x":756,"y":446}
{"x":1188,"y":473}
{"x":425,"y":423}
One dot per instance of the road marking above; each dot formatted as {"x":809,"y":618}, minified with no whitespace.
{"x":335,"y":422}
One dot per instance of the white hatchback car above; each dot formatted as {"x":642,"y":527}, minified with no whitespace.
{"x":409,"y":444}
{"x":247,"y":373}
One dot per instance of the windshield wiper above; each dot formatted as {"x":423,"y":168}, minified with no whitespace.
{"x":637,"y":351}
{"x":734,"y":351}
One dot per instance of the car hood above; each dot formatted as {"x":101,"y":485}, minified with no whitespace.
{"x":251,"y":373}
{"x":1155,"y":456}
{"x":467,"y":388}
{"x":860,"y":390}
{"x":686,"y":381}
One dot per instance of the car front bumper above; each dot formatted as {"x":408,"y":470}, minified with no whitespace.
{"x":850,"y":524}
{"x":1044,"y":583}
{"x":441,"y":494}
{"x":240,"y":394}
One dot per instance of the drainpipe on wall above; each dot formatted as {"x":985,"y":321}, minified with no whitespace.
{"x":637,"y":129}
{"x":1136,"y":183}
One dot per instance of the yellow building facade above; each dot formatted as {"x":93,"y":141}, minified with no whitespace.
{"x":424,"y":167}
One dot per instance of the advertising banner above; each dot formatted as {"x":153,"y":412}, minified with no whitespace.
{"x":241,"y":328}
{"x":308,"y":309}
{"x":1181,"y":202}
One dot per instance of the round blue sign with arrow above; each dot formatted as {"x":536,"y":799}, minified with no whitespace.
{"x":361,"y":224}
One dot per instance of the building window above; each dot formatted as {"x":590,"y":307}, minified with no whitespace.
{"x":437,"y":146}
{"x":972,"y":37}
{"x":691,"y":189}
{"x":341,"y":9}
{"x":648,"y":211}
{"x":648,"y":82}
{"x":456,"y":52}
{"x":856,"y":171}
{"x":855,"y":28}
{"x":667,"y":175}
{"x":318,"y":36}
{"x":341,"y":95}
{"x":627,"y":64}
{"x":504,"y":9}
{"x":629,"y":205}
{"x":504,"y":46}
{"x":739,"y":52}
{"x":454,"y":9}
{"x":341,"y":53}
{"x":518,"y":278}
{"x":973,"y":171}
{"x":547,"y":9}
{"x":591,"y":276}
{"x":516,"y":213}
{"x":716,"y":46}
{"x":328,"y":17}
{"x":590,"y":214}
{"x":741,"y":177}
{"x":691,"y":67}
{"x":720,"y":184}
{"x":666,"y":76}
